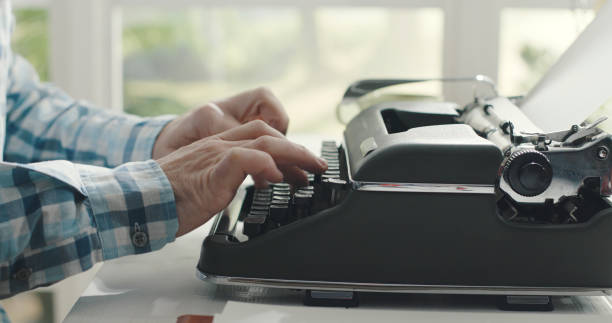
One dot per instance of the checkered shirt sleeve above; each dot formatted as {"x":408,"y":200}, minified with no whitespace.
{"x":58,"y":218}
{"x":43,"y":123}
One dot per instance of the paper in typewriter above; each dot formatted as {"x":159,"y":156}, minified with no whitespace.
{"x":579,"y":83}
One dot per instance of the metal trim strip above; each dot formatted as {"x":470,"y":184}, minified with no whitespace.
{"x":402,"y":288}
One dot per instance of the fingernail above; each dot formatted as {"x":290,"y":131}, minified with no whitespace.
{"x":322,"y":162}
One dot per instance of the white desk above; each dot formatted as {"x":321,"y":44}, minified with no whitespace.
{"x":160,"y":286}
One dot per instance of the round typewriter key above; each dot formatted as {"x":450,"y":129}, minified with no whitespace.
{"x":329,"y":154}
{"x":329,"y":176}
{"x":261,"y":200}
{"x":253,"y":225}
{"x":302,"y":193}
{"x":260,"y":208}
{"x":258,"y":214}
{"x":300,"y":198}
{"x":281,"y":198}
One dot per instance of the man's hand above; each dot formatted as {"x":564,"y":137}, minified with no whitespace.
{"x":216,"y":117}
{"x":206,"y":174}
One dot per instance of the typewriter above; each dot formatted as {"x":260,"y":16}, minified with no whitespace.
{"x":430,"y":197}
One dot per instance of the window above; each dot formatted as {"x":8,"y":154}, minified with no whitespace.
{"x":176,"y":60}
{"x":31,"y":38}
{"x":531,"y":41}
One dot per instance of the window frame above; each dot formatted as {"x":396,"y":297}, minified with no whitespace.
{"x":87,"y":61}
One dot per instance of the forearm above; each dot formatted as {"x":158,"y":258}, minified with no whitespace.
{"x":57,"y":219}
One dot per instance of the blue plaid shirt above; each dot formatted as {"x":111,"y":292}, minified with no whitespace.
{"x":77,"y":185}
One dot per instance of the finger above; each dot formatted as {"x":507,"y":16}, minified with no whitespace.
{"x":258,"y":104}
{"x":239,"y":162}
{"x":270,"y":110}
{"x":286,"y":153}
{"x":294,"y":175}
{"x":260,"y":182}
{"x":251,"y":130}
{"x":209,"y":119}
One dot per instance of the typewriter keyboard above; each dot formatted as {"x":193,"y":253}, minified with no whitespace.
{"x":267,"y":209}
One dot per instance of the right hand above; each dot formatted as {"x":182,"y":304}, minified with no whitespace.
{"x":206,"y":174}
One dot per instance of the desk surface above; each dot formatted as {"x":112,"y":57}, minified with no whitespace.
{"x":160,"y":286}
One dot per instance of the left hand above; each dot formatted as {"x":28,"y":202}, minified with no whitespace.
{"x":220,"y":116}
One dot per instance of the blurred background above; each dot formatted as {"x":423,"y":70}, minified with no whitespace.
{"x":152,"y":57}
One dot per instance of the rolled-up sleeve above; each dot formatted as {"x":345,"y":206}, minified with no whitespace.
{"x":58,"y":218}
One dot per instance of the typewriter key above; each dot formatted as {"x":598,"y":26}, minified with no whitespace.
{"x":308,"y":194}
{"x":329,"y":155}
{"x":260,"y":208}
{"x":262,"y":201}
{"x":253,"y":225}
{"x":281,"y":198}
{"x":329,"y":176}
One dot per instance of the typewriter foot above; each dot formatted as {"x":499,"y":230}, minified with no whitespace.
{"x":525,"y":303}
{"x":331,"y":298}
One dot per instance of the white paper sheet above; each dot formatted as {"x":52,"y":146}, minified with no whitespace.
{"x":579,"y":83}
{"x":241,"y":312}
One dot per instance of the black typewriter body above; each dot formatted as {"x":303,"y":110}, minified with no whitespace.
{"x":414,"y":202}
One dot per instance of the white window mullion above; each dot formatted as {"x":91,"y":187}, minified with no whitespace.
{"x":84,"y":50}
{"x":471,"y":43}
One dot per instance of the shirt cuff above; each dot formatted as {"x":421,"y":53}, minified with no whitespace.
{"x":144,"y":135}
{"x":133,"y":208}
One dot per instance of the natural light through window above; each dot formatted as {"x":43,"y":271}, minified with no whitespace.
{"x":175,"y":60}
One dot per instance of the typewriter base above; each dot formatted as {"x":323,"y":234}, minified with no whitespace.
{"x":401,"y":288}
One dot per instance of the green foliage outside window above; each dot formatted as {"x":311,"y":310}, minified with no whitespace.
{"x":31,"y":39}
